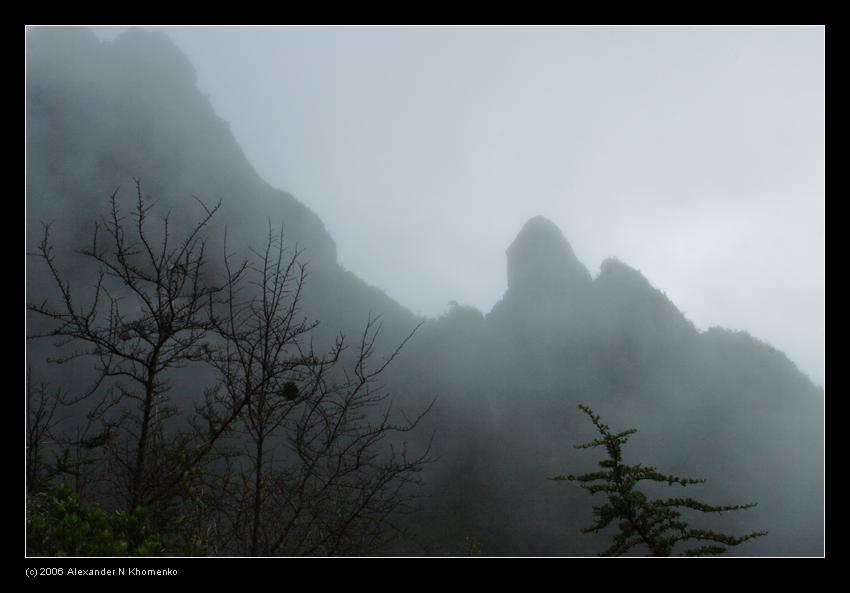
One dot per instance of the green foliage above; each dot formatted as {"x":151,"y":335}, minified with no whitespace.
{"x":472,"y":547}
{"x":58,"y":525}
{"x":656,"y":524}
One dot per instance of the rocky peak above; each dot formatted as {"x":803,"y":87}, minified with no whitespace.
{"x":625,"y":297}
{"x":101,"y":113}
{"x":612,"y":270}
{"x":154,"y":58}
{"x":540,"y":260}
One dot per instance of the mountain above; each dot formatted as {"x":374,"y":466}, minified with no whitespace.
{"x":718,"y":405}
{"x":101,"y":114}
{"x":715,"y":404}
{"x":543,"y":270}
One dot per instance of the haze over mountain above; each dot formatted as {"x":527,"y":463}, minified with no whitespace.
{"x":693,"y":153}
{"x":100,"y":115}
{"x":716,"y":404}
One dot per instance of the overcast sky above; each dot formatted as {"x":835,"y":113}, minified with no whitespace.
{"x":693,"y":154}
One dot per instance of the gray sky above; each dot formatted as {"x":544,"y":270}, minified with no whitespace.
{"x":694,"y":155}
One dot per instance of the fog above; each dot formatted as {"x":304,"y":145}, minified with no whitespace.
{"x":693,"y":154}
{"x":497,"y":224}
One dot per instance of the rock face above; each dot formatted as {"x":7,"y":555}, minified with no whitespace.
{"x":541,"y":262}
{"x":545,"y":278}
{"x":624,"y":299}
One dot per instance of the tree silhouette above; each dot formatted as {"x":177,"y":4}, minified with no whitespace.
{"x":317,"y":469}
{"x":205,"y":401}
{"x":149,"y":313}
{"x":655,"y":524}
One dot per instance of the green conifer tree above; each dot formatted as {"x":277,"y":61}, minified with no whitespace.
{"x":655,"y":524}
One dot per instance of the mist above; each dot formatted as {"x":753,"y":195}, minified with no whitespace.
{"x":694,"y":154}
{"x":452,"y":238}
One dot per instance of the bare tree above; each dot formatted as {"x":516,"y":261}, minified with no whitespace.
{"x":55,"y":450}
{"x":42,"y":405}
{"x":280,"y":451}
{"x":315,"y":473}
{"x":149,"y":313}
{"x":347,"y":481}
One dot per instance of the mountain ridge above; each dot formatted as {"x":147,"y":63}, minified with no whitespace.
{"x":170,"y":83}
{"x":102,"y":113}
